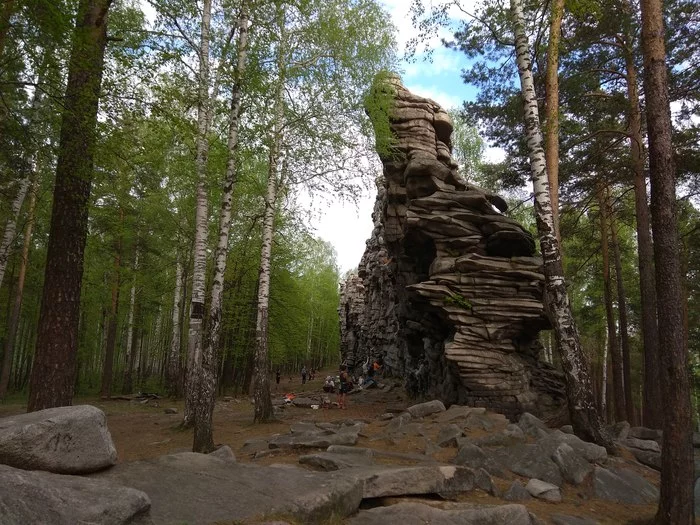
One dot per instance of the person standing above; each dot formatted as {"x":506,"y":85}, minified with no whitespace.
{"x":303,"y":374}
{"x":278,"y":376}
{"x":344,"y":387}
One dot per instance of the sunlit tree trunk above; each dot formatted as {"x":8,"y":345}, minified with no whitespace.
{"x":203,"y":439}
{"x":261,"y":387}
{"x":613,"y":344}
{"x":194,"y":342}
{"x":173,"y":372}
{"x":53,"y":372}
{"x":582,"y":409}
{"x":8,"y":355}
{"x":551,"y":104}
{"x":127,"y":383}
{"x":677,"y":480}
{"x":622,"y":316}
{"x":652,"y":405}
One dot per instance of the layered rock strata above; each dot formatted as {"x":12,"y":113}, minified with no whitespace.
{"x":449,"y":290}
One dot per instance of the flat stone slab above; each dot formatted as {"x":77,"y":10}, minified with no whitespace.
{"x":411,"y":513}
{"x":623,"y":486}
{"x":55,"y":499}
{"x":382,"y":481}
{"x":426,"y":409}
{"x":328,"y":461}
{"x":65,"y":440}
{"x":201,"y":489}
{"x":543,"y":490}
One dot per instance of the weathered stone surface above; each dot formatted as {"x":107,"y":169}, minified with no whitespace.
{"x":447,"y":437}
{"x":623,"y":486}
{"x":531,"y":461}
{"x":328,"y":461}
{"x":419,"y":514}
{"x":516,"y":492}
{"x":201,"y":489}
{"x":543,"y":490}
{"x":54,"y":499}
{"x":381,"y":481}
{"x":565,"y":519}
{"x":589,"y":451}
{"x":642,"y":444}
{"x":619,"y":430}
{"x":448,"y":290}
{"x":426,"y":409}
{"x":573,"y":467}
{"x":474,"y":457}
{"x":532,"y":426}
{"x":67,"y":440}
{"x":644,"y":433}
{"x":224,"y":452}
{"x":650,"y":459}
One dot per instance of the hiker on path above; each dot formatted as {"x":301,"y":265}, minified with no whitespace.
{"x":303,"y":374}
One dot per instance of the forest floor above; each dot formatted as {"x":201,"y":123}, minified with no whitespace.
{"x":144,"y":431}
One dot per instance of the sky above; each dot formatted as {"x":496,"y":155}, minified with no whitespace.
{"x":348,"y":227}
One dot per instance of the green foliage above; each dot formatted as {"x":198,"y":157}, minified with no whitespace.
{"x":379,"y":104}
{"x":456,"y":299}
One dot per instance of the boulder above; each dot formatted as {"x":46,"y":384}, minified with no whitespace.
{"x":328,"y":461}
{"x":565,"y":519}
{"x":381,"y":481}
{"x":543,"y":490}
{"x":516,"y":492}
{"x":224,"y":452}
{"x":623,"y":486}
{"x":454,"y":412}
{"x":650,"y":459}
{"x":573,"y":467}
{"x":199,"y":489}
{"x":644,"y":433}
{"x":427,"y":408}
{"x":447,"y":437}
{"x":410,"y":513}
{"x":65,"y":440}
{"x":531,"y":461}
{"x":43,"y":498}
{"x":532,"y":426}
{"x":474,"y":457}
{"x":619,"y":430}
{"x":642,"y":444}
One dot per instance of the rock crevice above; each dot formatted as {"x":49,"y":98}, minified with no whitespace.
{"x":449,"y":290}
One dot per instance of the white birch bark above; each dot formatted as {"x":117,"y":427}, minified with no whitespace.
{"x":194,"y":346}
{"x":11,"y":225}
{"x":261,"y":389}
{"x":203,"y":439}
{"x":174,"y":357}
{"x":582,"y":409}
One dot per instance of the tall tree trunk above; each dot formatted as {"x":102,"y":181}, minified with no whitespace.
{"x":582,"y":410}
{"x":17,"y":305}
{"x":108,"y":365}
{"x":194,"y":342}
{"x":622,"y":316}
{"x":551,"y":104}
{"x":53,"y":372}
{"x":615,"y":355}
{"x":203,"y":438}
{"x":11,"y":226}
{"x":676,"y":500}
{"x":127,"y":384}
{"x":261,"y":387}
{"x":173,"y":374}
{"x":652,"y":405}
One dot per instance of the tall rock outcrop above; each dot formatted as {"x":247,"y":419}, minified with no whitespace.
{"x":449,"y":290}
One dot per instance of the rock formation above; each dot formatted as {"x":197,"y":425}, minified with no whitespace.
{"x":449,"y":290}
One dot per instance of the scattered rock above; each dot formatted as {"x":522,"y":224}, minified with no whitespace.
{"x":650,"y":459}
{"x":382,"y":481}
{"x":564,"y":519}
{"x":645,"y":433}
{"x":532,"y":461}
{"x":573,"y":467}
{"x":224,"y":452}
{"x":252,"y":446}
{"x":410,"y":513}
{"x":426,"y":409}
{"x":170,"y":411}
{"x":483,"y":481}
{"x":56,"y":499}
{"x":329,"y":461}
{"x":474,"y":457}
{"x":623,"y":486}
{"x":642,"y":444}
{"x":65,"y":440}
{"x":532,"y":426}
{"x":447,"y":437}
{"x":543,"y":490}
{"x":567,"y":429}
{"x":516,"y":492}
{"x":619,"y":430}
{"x":454,"y":412}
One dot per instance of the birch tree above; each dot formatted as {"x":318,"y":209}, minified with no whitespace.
{"x":203,"y":440}
{"x":582,"y":409}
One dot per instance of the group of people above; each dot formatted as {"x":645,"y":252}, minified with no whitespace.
{"x":342,"y":384}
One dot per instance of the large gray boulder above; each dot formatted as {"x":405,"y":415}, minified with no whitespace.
{"x":329,"y":461}
{"x":43,"y":498}
{"x":623,"y":486}
{"x":543,"y":490}
{"x":532,"y":461}
{"x":382,"y":481}
{"x":573,"y":467}
{"x":419,"y":514}
{"x":426,"y":409}
{"x":65,"y":440}
{"x":199,"y":489}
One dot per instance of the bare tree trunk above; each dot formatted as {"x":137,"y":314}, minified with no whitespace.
{"x":53,"y":372}
{"x":615,"y":355}
{"x":676,"y":500}
{"x":583,"y":412}
{"x":194,"y":343}
{"x":11,"y":225}
{"x":127,"y":384}
{"x":652,"y":405}
{"x":173,"y":374}
{"x":203,"y":438}
{"x":7,"y":357}
{"x":622,"y":315}
{"x":551,"y":104}
{"x":108,"y":365}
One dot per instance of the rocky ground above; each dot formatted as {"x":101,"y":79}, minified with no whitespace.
{"x":384,"y":460}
